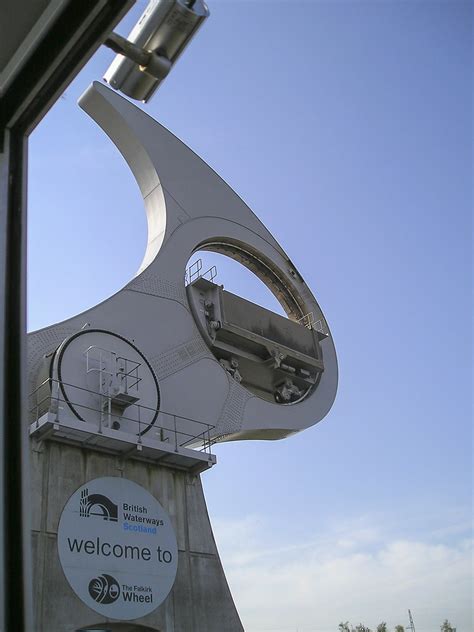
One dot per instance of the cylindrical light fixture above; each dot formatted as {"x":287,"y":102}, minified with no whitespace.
{"x":164,"y":29}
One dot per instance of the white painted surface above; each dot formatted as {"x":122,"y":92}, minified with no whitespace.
{"x":117,"y":548}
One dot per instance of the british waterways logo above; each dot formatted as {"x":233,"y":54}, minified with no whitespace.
{"x":97,"y":505}
{"x":104,"y":589}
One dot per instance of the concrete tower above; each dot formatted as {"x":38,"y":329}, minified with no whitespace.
{"x":128,"y":398}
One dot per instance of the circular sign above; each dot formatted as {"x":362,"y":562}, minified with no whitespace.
{"x":117,"y":548}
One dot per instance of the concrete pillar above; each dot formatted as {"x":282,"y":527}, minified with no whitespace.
{"x":200,"y":600}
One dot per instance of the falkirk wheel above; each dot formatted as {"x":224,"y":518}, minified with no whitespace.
{"x":127,"y":399}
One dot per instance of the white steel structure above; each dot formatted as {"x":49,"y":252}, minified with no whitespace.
{"x":143,"y":384}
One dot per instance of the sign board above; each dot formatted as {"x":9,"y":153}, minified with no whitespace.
{"x":117,"y":548}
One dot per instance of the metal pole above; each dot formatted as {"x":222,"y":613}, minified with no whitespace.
{"x":175,"y":435}
{"x":139,"y":426}
{"x":109,"y":411}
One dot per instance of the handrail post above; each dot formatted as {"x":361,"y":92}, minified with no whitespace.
{"x":139,"y":425}
{"x":175,"y":435}
{"x":109,"y":411}
{"x":101,"y":413}
{"x":55,"y":389}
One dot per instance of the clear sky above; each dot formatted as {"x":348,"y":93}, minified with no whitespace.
{"x":346,"y":127}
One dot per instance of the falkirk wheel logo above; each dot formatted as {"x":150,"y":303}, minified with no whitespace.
{"x":97,"y":505}
{"x":104,"y":589}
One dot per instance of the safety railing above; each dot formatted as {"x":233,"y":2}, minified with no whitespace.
{"x":194,"y":272}
{"x":107,"y":362}
{"x":309,"y":322}
{"x":169,"y":426}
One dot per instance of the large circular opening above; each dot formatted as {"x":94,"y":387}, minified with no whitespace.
{"x":253,"y":320}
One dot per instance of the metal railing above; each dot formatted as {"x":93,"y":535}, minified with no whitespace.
{"x":309,"y":322}
{"x":168,"y":425}
{"x":194,"y":272}
{"x":109,"y":363}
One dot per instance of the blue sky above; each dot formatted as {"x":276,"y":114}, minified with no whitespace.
{"x":346,"y":127}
